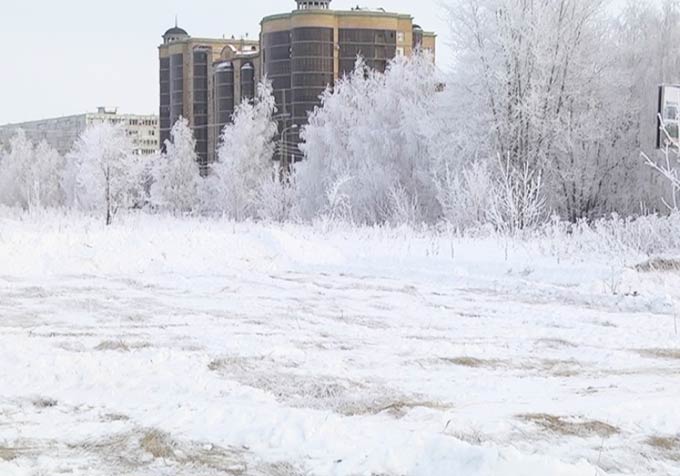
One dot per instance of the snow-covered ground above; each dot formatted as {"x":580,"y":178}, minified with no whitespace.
{"x":165,"y":346}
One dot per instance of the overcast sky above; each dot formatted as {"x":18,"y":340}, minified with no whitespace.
{"x":63,"y":57}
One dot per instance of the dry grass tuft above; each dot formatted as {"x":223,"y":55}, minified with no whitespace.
{"x":45,"y":403}
{"x":475,"y":437}
{"x":280,"y":469}
{"x":555,"y":343}
{"x":223,"y":460}
{"x":401,"y":408}
{"x":120,"y":346}
{"x":561,"y":368}
{"x":8,"y":454}
{"x":322,"y":392}
{"x":115,"y":417}
{"x":658,"y":264}
{"x":232,"y":364}
{"x":138,"y":449}
{"x":158,"y":444}
{"x":669,"y":446}
{"x":216,"y":365}
{"x":471,"y":362}
{"x":116,"y":345}
{"x":665,"y":443}
{"x":669,"y":354}
{"x":570,"y":427}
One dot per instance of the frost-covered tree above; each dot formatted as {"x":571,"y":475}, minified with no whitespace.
{"x":371,"y":148}
{"x":466,"y":195}
{"x":30,"y":175}
{"x":102,"y":174}
{"x":176,"y":175}
{"x":537,"y":82}
{"x":244,"y":160}
{"x":13,"y":168}
{"x":45,"y":188}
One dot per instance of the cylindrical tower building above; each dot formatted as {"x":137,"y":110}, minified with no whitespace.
{"x":307,"y":50}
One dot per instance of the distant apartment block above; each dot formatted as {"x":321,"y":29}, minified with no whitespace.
{"x":302,"y":52}
{"x":61,"y":133}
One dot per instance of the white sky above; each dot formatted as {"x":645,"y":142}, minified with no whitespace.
{"x":69,"y":56}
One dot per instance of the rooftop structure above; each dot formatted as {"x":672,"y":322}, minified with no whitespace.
{"x":313,"y":4}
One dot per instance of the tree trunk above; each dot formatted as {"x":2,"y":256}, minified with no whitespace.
{"x":109,"y":218}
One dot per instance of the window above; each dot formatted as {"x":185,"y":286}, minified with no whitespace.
{"x":312,"y":34}
{"x":248,"y":81}
{"x":400,"y":51}
{"x":401,"y":37}
{"x":376,"y":47}
{"x":311,"y":49}
{"x":313,"y":65}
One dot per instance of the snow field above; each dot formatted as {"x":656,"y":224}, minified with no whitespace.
{"x":163,"y":346}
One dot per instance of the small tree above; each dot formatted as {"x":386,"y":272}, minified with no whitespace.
{"x":30,"y":176}
{"x":465,"y":196}
{"x":45,"y":184}
{"x":176,"y":175}
{"x":244,"y":159}
{"x":14,"y":171}
{"x":517,"y":201}
{"x":102,"y":174}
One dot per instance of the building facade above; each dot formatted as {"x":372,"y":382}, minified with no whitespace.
{"x":203,"y":80}
{"x":61,"y":133}
{"x":308,"y":49}
{"x":301,"y":52}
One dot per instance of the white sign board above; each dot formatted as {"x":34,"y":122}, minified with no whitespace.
{"x":668,"y":132}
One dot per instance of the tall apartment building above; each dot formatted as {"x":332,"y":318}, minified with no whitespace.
{"x":301,"y":52}
{"x":308,"y":49}
{"x":203,"y":80}
{"x":61,"y":133}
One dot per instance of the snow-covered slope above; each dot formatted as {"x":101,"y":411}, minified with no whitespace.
{"x":165,"y":346}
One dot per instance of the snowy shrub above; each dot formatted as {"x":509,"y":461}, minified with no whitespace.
{"x":338,"y":205}
{"x":634,"y":238}
{"x":102,"y":174}
{"x":244,"y":159}
{"x":495,"y":193}
{"x":275,"y":198}
{"x":176,"y":174}
{"x":516,"y":201}
{"x":30,"y":175}
{"x":465,"y":196}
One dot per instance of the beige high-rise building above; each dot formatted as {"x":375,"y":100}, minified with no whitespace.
{"x":203,"y":80}
{"x":61,"y":133}
{"x":308,"y":49}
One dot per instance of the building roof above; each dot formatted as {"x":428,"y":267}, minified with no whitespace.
{"x":175,"y":30}
{"x":340,"y":13}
